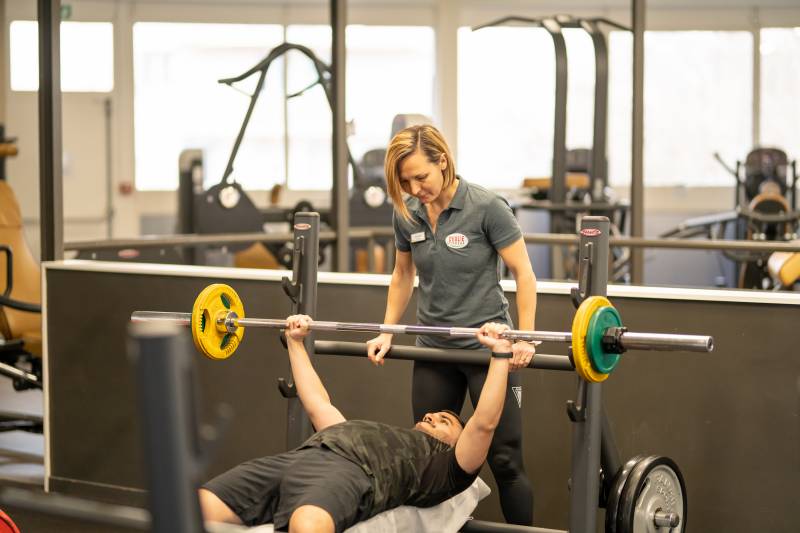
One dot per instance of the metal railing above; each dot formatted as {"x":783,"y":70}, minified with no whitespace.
{"x":376,"y":232}
{"x":220,"y":239}
{"x":555,"y":239}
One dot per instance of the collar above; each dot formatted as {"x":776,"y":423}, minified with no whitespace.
{"x":460,"y":197}
{"x":458,"y":201}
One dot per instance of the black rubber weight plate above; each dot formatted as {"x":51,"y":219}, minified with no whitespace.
{"x":614,"y":495}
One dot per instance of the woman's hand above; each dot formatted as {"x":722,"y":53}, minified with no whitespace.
{"x":378,"y":347}
{"x":523,"y":355}
{"x":298,"y":326}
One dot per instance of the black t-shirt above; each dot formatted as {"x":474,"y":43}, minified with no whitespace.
{"x":407,"y":466}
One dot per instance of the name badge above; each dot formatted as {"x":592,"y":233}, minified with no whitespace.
{"x":418,"y":237}
{"x":457,"y":240}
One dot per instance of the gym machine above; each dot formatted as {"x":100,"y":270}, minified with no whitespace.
{"x":226,"y":207}
{"x":765,"y":209}
{"x":647,"y":493}
{"x":579,"y":177}
{"x":20,"y":310}
{"x":212,"y":211}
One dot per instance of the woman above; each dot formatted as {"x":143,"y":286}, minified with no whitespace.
{"x":453,"y":233}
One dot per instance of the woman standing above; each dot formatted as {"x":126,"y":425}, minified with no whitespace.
{"x":454,"y":233}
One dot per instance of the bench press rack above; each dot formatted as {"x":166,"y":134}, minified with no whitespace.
{"x":177,"y":452}
{"x":596,"y":463}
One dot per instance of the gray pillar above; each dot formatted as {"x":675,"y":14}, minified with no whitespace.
{"x":558,"y":180}
{"x":51,"y":198}
{"x":166,"y":383}
{"x":446,"y":77}
{"x":340,"y":215}
{"x":599,"y":164}
{"x":756,"y":116}
{"x":637,"y":135}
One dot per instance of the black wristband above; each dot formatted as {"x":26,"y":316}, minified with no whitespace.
{"x":502,"y":355}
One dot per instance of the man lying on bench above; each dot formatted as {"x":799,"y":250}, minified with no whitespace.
{"x":352,"y":470}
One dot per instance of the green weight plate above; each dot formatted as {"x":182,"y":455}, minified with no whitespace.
{"x":602,"y":319}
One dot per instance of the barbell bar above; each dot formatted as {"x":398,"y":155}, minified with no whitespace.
{"x":629,"y":340}
{"x":217,"y":323}
{"x":231,"y":321}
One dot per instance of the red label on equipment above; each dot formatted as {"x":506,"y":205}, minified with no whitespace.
{"x":302,"y":226}
{"x":590,"y":232}
{"x":128,"y":253}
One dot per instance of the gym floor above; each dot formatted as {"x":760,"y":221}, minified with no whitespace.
{"x":22,"y":465}
{"x":21,"y":453}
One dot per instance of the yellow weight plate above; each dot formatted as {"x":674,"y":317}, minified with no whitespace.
{"x":212,"y":339}
{"x":580,"y":327}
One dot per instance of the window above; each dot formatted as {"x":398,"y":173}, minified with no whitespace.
{"x":390,"y":70}
{"x":780,"y":87}
{"x":87,"y":56}
{"x":506,"y":99}
{"x":179,"y":104}
{"x":698,"y":101}
{"x":308,"y":116}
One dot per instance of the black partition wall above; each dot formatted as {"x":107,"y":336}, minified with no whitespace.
{"x":729,"y":418}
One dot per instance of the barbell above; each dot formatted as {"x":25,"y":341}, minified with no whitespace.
{"x":217,"y":322}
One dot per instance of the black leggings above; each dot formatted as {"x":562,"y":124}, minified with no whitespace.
{"x":438,"y":386}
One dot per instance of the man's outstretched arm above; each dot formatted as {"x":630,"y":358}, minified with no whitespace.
{"x":473,"y":444}
{"x":312,"y":393}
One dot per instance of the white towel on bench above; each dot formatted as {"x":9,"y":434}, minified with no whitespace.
{"x":446,"y":517}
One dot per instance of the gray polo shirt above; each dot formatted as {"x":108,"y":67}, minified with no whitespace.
{"x":458,"y":265}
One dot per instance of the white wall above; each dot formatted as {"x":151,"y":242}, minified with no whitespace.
{"x":83,"y":119}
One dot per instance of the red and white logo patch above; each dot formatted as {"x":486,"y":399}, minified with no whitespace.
{"x":456,"y":240}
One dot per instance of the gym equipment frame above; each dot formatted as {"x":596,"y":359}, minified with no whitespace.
{"x":646,"y":491}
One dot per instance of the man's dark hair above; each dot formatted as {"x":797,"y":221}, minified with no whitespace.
{"x":460,"y":420}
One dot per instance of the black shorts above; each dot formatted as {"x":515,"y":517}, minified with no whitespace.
{"x":269,"y":489}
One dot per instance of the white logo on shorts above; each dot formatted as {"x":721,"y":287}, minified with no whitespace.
{"x":518,"y":395}
{"x":456,"y":240}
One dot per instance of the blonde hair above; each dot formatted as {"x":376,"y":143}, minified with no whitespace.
{"x":431,"y":143}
